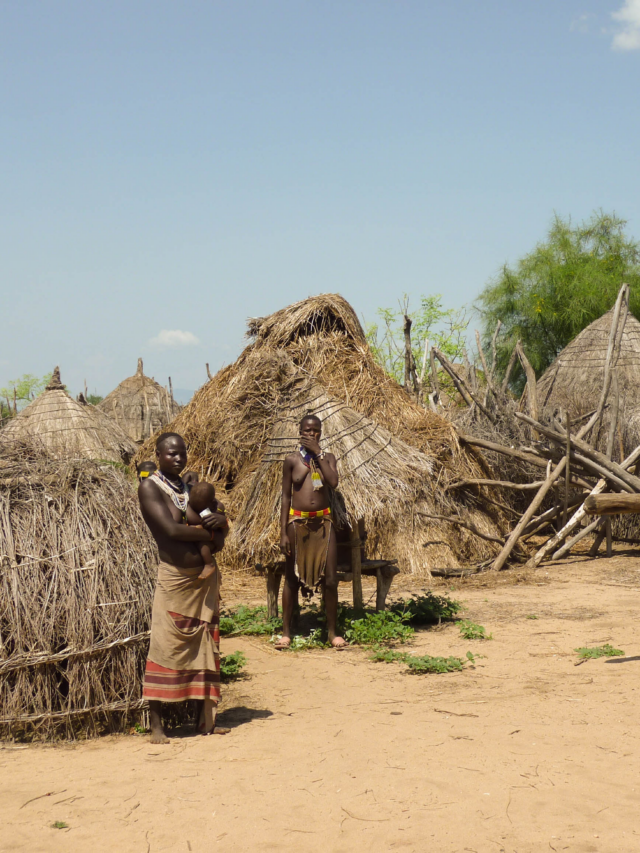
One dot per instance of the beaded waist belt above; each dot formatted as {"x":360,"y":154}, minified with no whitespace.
{"x":299,"y":513}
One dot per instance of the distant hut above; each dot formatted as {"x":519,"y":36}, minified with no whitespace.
{"x":397,"y":459}
{"x":67,"y":428}
{"x":140,"y":405}
{"x":574,"y":381}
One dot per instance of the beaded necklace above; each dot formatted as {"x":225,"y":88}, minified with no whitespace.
{"x":310,"y":461}
{"x":178,"y":494}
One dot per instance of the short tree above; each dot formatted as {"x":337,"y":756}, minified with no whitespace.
{"x":568,"y":281}
{"x":20,"y":392}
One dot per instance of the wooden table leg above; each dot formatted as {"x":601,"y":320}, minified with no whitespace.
{"x":273,"y":589}
{"x":356,"y":567}
{"x":383,"y":585}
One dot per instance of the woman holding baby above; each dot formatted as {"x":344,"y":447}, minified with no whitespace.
{"x":184,"y":653}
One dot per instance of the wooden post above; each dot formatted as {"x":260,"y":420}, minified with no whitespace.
{"x":407,"y":351}
{"x":208,"y":371}
{"x":356,"y":566}
{"x":170,"y":389}
{"x":607,"y":528}
{"x":435,"y":385}
{"x":567,"y":473}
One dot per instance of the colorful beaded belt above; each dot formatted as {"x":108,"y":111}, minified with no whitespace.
{"x":299,"y":513}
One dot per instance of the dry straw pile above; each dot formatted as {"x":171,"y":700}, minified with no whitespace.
{"x":396,"y":459}
{"x":77,"y":571}
{"x":140,"y":405}
{"x":67,"y":428}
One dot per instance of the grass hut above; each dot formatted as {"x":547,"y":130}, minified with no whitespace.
{"x":140,"y":405}
{"x":77,"y":570}
{"x":67,"y":428}
{"x":396,"y":458}
{"x":574,"y":381}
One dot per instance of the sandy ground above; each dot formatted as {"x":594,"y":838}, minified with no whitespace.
{"x":331,"y":752}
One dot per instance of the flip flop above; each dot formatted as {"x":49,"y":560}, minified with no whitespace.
{"x":282,"y":643}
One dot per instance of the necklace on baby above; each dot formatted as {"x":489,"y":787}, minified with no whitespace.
{"x":310,"y":461}
{"x":179,"y":494}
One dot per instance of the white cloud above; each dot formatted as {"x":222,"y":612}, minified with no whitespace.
{"x":582,"y":23}
{"x":172,"y":338}
{"x":628,"y":36}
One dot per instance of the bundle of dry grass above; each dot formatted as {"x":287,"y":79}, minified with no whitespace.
{"x":574,"y":381}
{"x":140,"y":405}
{"x":77,"y":570}
{"x":231,"y":419}
{"x":67,"y":428}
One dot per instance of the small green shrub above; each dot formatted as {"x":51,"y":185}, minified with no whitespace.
{"x":59,"y":824}
{"x":421,"y":664}
{"x":531,"y":616}
{"x":472,"y":631}
{"x":428,"y":609}
{"x":252,"y":621}
{"x":373,"y":628}
{"x":231,"y":666}
{"x":605,"y":651}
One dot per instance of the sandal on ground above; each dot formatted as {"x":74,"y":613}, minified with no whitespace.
{"x":282,"y":643}
{"x":340,"y":646}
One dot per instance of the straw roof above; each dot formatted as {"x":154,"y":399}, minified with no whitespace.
{"x":140,"y":405}
{"x":77,"y":572}
{"x":393,"y":455}
{"x":574,"y":380}
{"x":67,"y":428}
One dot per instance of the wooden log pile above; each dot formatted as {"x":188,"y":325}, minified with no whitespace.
{"x":580,"y":481}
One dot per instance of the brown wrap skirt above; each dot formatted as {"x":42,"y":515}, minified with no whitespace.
{"x":184,"y":652}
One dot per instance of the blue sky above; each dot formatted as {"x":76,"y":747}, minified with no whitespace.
{"x":176,"y":167}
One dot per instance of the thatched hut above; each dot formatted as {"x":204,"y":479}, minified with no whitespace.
{"x":67,"y":428}
{"x":77,"y":570}
{"x":140,"y":405}
{"x":574,"y":381}
{"x":396,"y":458}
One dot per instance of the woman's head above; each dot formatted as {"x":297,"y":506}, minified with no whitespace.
{"x":171,"y":453}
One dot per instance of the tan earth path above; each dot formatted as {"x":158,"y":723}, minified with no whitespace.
{"x":331,"y":752}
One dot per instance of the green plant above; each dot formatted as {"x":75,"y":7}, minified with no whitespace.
{"x":139,"y":729}
{"x":94,"y":399}
{"x":252,"y":621}
{"x":472,"y":631}
{"x":421,"y":664}
{"x":531,"y":616}
{"x":605,"y":651}
{"x":231,"y":665}
{"x":59,"y":824}
{"x":443,"y":328}
{"x":22,"y":391}
{"x":427,"y":609}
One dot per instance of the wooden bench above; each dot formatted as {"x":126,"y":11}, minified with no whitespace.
{"x":352,"y":565}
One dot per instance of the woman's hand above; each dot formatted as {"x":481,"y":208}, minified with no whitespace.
{"x":285,"y":545}
{"x":310,"y":444}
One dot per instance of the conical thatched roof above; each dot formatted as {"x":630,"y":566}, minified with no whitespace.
{"x":66,"y":428}
{"x":574,"y":380}
{"x":77,"y":574}
{"x":140,"y":405}
{"x":315,"y":355}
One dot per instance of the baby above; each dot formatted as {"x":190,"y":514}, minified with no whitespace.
{"x":202,"y":503}
{"x":145,"y":469}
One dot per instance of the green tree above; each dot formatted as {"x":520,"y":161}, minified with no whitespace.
{"x":442,"y":328}
{"x":568,"y":281}
{"x":94,"y":399}
{"x":20,"y":392}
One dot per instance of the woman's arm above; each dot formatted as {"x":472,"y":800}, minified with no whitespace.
{"x":159,"y":518}
{"x":285,"y":545}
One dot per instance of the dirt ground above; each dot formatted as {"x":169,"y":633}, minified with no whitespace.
{"x":331,"y":752}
